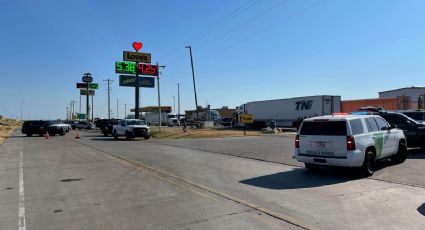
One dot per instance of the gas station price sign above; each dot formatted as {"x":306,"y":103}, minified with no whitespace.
{"x":125,"y":67}
{"x":147,"y":69}
{"x":133,"y":68}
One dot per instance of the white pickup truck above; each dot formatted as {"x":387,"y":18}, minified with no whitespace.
{"x":131,"y":128}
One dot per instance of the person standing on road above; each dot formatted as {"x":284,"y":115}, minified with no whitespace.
{"x":184,"y":125}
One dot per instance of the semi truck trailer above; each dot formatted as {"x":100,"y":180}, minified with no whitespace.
{"x":289,"y":112}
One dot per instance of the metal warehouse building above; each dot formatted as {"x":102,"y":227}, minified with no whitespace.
{"x":407,"y":98}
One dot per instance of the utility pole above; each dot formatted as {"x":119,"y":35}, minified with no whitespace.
{"x":178,"y":100}
{"x":194,"y":84}
{"x":125,"y":111}
{"x":80,"y":104}
{"x":159,"y":97}
{"x":109,"y":98}
{"x":118,"y":116}
{"x":67,"y":113}
{"x":22,"y":102}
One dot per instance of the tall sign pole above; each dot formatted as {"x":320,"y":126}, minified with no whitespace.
{"x":87,"y":78}
{"x":194,"y":84}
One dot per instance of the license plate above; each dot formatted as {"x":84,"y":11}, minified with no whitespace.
{"x":320,"y":144}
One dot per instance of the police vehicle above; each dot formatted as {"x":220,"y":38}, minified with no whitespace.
{"x":349,"y":140}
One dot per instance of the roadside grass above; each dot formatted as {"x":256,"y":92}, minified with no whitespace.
{"x":177,"y":133}
{"x":7,"y":127}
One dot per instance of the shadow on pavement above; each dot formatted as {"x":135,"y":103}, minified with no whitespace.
{"x":421,"y":209}
{"x":416,"y":154}
{"x":302,"y":178}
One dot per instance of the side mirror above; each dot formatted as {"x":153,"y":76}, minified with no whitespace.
{"x":393,"y":126}
{"x":384,"y":128}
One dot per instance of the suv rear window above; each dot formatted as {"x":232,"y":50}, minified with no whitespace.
{"x":356,"y":126}
{"x":326,"y":128}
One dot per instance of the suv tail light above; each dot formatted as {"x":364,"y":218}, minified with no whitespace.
{"x":351,"y":144}
{"x":297,"y":141}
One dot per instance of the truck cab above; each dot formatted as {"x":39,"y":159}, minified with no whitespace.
{"x":131,"y":128}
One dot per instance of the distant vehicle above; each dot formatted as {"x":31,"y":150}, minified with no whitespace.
{"x":227,"y":121}
{"x":106,"y":125}
{"x":84,"y":125}
{"x":349,"y":141}
{"x":289,"y":112}
{"x":169,"y":119}
{"x":414,"y":131}
{"x":66,"y":126}
{"x":41,"y":127}
{"x":72,"y":124}
{"x":131,"y":128}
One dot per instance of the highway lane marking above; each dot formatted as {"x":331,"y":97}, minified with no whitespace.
{"x":22,"y":224}
{"x":188,"y":183}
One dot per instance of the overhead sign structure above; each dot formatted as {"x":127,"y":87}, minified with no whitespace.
{"x":133,"y":81}
{"x":246,"y":118}
{"x":83,"y":92}
{"x":137,"y":57}
{"x":84,"y":85}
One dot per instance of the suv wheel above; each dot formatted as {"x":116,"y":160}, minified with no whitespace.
{"x":147,"y":137}
{"x":29,"y":134}
{"x":310,"y":166}
{"x":105,"y":134}
{"x":401,"y":154}
{"x":369,"y":164}
{"x":115,"y":135}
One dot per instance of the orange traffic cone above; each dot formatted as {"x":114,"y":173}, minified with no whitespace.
{"x":47,"y":135}
{"x":78,"y":135}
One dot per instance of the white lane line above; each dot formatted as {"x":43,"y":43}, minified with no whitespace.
{"x":22,"y":225}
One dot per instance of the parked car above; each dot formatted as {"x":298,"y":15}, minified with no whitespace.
{"x":72,"y":124}
{"x":106,"y":125}
{"x":66,"y":126}
{"x":350,"y":141}
{"x":84,"y":125}
{"x":417,"y":115}
{"x":414,"y":131}
{"x":42,"y":127}
{"x":131,"y":128}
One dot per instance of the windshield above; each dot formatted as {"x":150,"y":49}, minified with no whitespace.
{"x":326,"y":128}
{"x":135,"y":122}
{"x":418,"y":116}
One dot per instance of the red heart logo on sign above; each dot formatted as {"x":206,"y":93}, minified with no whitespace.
{"x":137,"y":45}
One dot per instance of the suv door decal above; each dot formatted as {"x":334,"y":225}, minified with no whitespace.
{"x":379,"y":142}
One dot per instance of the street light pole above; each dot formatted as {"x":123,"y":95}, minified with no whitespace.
{"x":178,"y":100}
{"x":193,"y":77}
{"x":159,"y":97}
{"x":174,"y":104}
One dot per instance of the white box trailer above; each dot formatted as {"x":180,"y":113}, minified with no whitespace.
{"x":286,"y":112}
{"x":169,"y":119}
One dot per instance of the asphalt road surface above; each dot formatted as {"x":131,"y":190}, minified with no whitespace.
{"x":233,"y":183}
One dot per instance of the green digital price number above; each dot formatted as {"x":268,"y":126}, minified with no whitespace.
{"x":125,"y":67}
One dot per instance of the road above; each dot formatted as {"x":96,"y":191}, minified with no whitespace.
{"x":235,"y":183}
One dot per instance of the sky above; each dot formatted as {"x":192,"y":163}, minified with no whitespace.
{"x":243,"y":50}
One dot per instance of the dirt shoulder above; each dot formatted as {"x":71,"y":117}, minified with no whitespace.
{"x":7,"y":127}
{"x":177,"y":133}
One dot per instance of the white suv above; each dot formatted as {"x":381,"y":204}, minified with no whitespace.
{"x":350,"y":141}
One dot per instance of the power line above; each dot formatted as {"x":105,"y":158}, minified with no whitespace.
{"x":216,"y":25}
{"x":292,"y":16}
{"x":233,"y":29}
